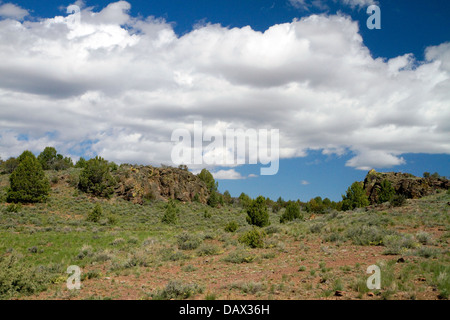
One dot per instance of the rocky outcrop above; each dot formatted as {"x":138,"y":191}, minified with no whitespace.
{"x":406,"y":184}
{"x":140,"y":183}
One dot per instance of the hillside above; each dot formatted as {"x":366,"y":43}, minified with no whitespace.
{"x":131,"y":254}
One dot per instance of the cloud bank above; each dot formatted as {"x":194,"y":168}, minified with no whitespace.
{"x":117,"y":86}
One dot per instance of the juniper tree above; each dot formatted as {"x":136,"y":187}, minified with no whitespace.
{"x":208,"y":178}
{"x":28,"y":183}
{"x":170,"y":215}
{"x":47,"y":157}
{"x":292,"y":212}
{"x":245,"y":200}
{"x":355,"y":198}
{"x":257,"y":213}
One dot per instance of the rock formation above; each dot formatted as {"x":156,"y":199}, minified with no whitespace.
{"x":138,"y":183}
{"x":406,"y":184}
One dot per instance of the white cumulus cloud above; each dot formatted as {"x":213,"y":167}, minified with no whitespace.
{"x":230,"y":174}
{"x":118,"y":86}
{"x":9,"y":10}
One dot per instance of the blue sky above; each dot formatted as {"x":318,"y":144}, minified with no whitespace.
{"x":99,"y":108}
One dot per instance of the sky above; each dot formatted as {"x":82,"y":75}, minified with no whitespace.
{"x":344,"y":98}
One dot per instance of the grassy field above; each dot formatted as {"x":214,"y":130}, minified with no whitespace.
{"x":131,"y":254}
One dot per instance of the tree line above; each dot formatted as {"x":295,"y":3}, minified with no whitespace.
{"x":29,"y":184}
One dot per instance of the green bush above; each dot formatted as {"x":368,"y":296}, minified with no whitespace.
{"x":398,"y":200}
{"x":95,"y":214}
{"x":171,"y":214}
{"x":208,"y":250}
{"x":168,"y":254}
{"x":149,"y":196}
{"x":187,"y":241}
{"x":28,"y":183}
{"x":113,"y":167}
{"x":14,"y":208}
{"x":73,"y":179}
{"x":443,"y":284}
{"x":334,"y":237}
{"x":398,"y":244}
{"x":249,"y":287}
{"x":214,"y":199}
{"x":273,"y":229}
{"x":19,"y":279}
{"x":112,"y":220}
{"x":81,"y":163}
{"x":207,"y":214}
{"x":387,"y":192}
{"x":253,"y":238}
{"x":368,"y":235}
{"x":240,"y":256}
{"x":86,"y":251}
{"x":177,"y":290}
{"x":292,"y":212}
{"x":96,"y":178}
{"x":427,"y":252}
{"x":424,"y":238}
{"x":257,"y":213}
{"x":55,"y":179}
{"x":231,"y":226}
{"x":316,"y":227}
{"x":138,"y":258}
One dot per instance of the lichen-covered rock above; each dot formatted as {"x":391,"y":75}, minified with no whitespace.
{"x":140,"y":183}
{"x":406,"y":184}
